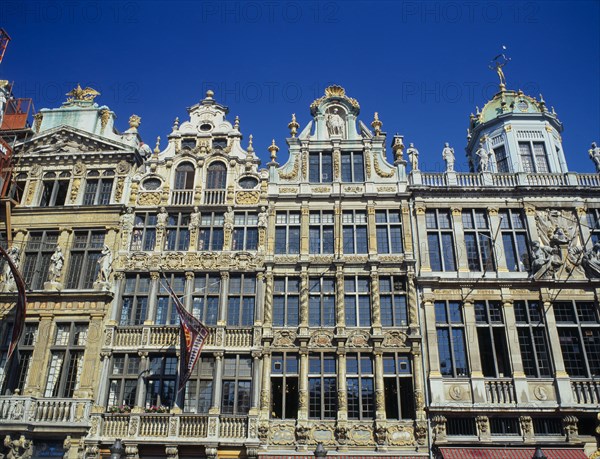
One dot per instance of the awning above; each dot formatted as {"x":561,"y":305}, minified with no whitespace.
{"x":510,"y":453}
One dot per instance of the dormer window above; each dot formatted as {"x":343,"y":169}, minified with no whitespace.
{"x":98,"y":188}
{"x":188,"y":144}
{"x":184,"y":177}
{"x":533,"y":157}
{"x":216,"y":178}
{"x":220,"y":142}
{"x":353,"y":166}
{"x":320,"y":167}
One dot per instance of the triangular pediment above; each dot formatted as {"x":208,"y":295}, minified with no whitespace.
{"x":69,"y":140}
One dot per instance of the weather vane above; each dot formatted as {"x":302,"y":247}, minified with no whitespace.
{"x":497,"y":63}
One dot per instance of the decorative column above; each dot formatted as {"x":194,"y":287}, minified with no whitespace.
{"x":583,"y":226}
{"x":93,"y":346}
{"x":140,"y":399}
{"x":372,"y":226}
{"x":413,"y":310}
{"x":338,"y":237}
{"x":103,"y":383}
{"x":417,"y":366}
{"x":39,"y":358}
{"x":265,"y":393}
{"x":495,"y":231}
{"x":259,"y":311}
{"x":152,"y":298}
{"x":218,"y":382}
{"x":512,"y":338}
{"x":268,"y":301}
{"x":119,"y":280}
{"x":379,"y":386}
{"x":459,"y":241}
{"x":375,"y":301}
{"x":407,"y":237}
{"x":188,"y":299}
{"x":223,"y":298}
{"x":531,"y":223}
{"x":303,"y":386}
{"x":304,"y":301}
{"x":422,"y":238}
{"x":340,"y":312}
{"x":342,"y":414}
{"x":256,"y":367}
{"x":304,"y":228}
{"x":477,"y":383}
{"x":271,"y":229}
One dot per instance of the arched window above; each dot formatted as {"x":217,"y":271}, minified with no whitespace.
{"x":217,"y":176}
{"x":54,"y":192}
{"x":184,"y":177}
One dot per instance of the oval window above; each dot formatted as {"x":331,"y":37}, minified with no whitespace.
{"x":152,"y":184}
{"x":206,"y":127}
{"x":248,"y":182}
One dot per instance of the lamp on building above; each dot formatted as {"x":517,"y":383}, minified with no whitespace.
{"x":539,"y":454}
{"x":320,"y":451}
{"x":116,"y":450}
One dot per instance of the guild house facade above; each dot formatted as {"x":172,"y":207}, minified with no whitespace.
{"x":352,"y":299}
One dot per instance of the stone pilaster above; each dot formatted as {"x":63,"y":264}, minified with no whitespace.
{"x":563,"y":385}
{"x":303,"y":386}
{"x":268,"y":302}
{"x":103,"y":383}
{"x":40,"y":356}
{"x":223,"y":298}
{"x":372,"y":225}
{"x":477,"y":382}
{"x":304,"y":301}
{"x":340,"y":312}
{"x":304,"y":229}
{"x":89,"y":371}
{"x":459,"y":240}
{"x":338,"y":236}
{"x":379,"y":386}
{"x":265,"y":393}
{"x":218,"y":382}
{"x":152,"y":298}
{"x":375,"y":301}
{"x":407,"y":236}
{"x":140,"y":399}
{"x":342,"y":389}
{"x":498,"y":250}
{"x":422,"y":238}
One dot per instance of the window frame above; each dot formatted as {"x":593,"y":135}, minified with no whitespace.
{"x":36,"y":260}
{"x":352,"y":166}
{"x":55,"y":188}
{"x":324,"y":299}
{"x":443,"y":256}
{"x":287,"y":227}
{"x":98,"y":188}
{"x":451,"y":325}
{"x":323,"y":400}
{"x":321,"y":237}
{"x":388,"y":232}
{"x":354,"y":232}
{"x":83,"y":275}
{"x":286,"y":301}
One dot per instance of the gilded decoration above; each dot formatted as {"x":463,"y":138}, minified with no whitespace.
{"x":400,"y":435}
{"x":305,"y":165}
{"x":336,"y":164}
{"x":358,"y":339}
{"x":337,"y":92}
{"x":78,"y":94}
{"x":247,"y":197}
{"x":368,"y":163}
{"x":148,"y":199}
{"x":322,"y":189}
{"x":293,"y":173}
{"x":282,"y":434}
{"x":394,"y":338}
{"x":119,"y":189}
{"x":284,"y":338}
{"x":353,"y":189}
{"x":361,"y":435}
{"x":75,"y":189}
{"x":321,"y":338}
{"x":386,"y":189}
{"x":123,"y":167}
{"x":38,"y":117}
{"x":288,"y":190}
{"x":104,"y":117}
{"x":379,"y":171}
{"x":79,"y":169}
{"x":191,"y":260}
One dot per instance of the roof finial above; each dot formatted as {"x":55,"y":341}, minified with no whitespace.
{"x":497,"y":63}
{"x":376,"y":124}
{"x":293,"y":125}
{"x":176,"y":124}
{"x":157,"y":147}
{"x":236,"y":124}
{"x":250,"y":148}
{"x":273,"y":149}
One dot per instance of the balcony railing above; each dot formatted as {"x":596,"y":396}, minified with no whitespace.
{"x":586,"y":392}
{"x":44,"y":411}
{"x":168,"y":335}
{"x":214,"y":197}
{"x":500,"y":391}
{"x":466,"y":180}
{"x":182,"y":197}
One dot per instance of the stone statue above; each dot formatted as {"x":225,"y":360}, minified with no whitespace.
{"x":263,"y":218}
{"x":448,"y":156}
{"x":161,"y":218}
{"x":591,"y":261}
{"x":7,"y":275}
{"x":18,"y":449}
{"x":484,"y":158}
{"x":595,"y":156}
{"x":57,"y":260}
{"x":228,"y":219}
{"x":127,"y":220}
{"x":413,"y":157}
{"x":105,"y":263}
{"x":194,"y":220}
{"x":335,"y":123}
{"x":544,"y":260}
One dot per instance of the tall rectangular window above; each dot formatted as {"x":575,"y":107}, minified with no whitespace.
{"x":38,"y":251}
{"x":160,"y":382}
{"x":478,"y":240}
{"x":360,"y":386}
{"x":320,"y":167}
{"x":245,"y":231}
{"x":177,"y":232}
{"x":593,"y":221}
{"x":17,"y":375}
{"x":579,"y":332}
{"x":526,"y":157}
{"x":134,"y":306}
{"x":321,"y":309}
{"x":199,"y":388}
{"x":388,"y":225}
{"x":287,"y":232}
{"x":491,"y":335}
{"x":286,"y":300}
{"x":205,"y":298}
{"x":357,"y":301}
{"x":392,"y":298}
{"x":321,"y":232}
{"x":533,"y":341}
{"x":322,"y":386}
{"x":237,"y":383}
{"x":55,"y":187}
{"x":541,"y":159}
{"x":242,"y":297}
{"x":440,"y":240}
{"x":354,"y":224}
{"x":353,"y":166}
{"x":451,"y":339}
{"x":514,"y":239}
{"x":210,"y":232}
{"x":98,"y":188}
{"x":501,"y":159}
{"x":85,"y":253}
{"x":284,"y":386}
{"x":166,"y":312}
{"x":66,"y":359}
{"x":144,"y":232}
{"x":398,"y":387}
{"x":123,"y":379}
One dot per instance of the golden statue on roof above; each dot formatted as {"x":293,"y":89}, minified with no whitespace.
{"x":78,"y":93}
{"x":497,"y":63}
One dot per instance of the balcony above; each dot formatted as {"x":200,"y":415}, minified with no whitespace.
{"x":500,"y":391}
{"x":182,"y":197}
{"x":168,"y":335}
{"x":586,"y":392}
{"x":503,"y":180}
{"x":43,"y":413}
{"x":214,"y":197}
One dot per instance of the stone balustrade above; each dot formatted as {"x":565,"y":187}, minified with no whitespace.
{"x":586,"y":392}
{"x":504,"y":180}
{"x":500,"y":391}
{"x":44,"y":411}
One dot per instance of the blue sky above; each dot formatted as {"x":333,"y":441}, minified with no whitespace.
{"x":422,"y":65}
